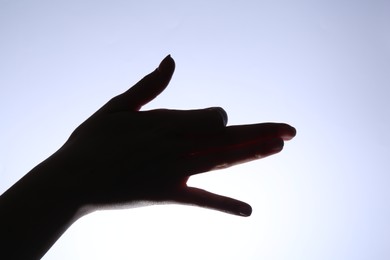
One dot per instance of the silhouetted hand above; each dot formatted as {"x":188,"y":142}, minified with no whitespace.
{"x":121,"y":156}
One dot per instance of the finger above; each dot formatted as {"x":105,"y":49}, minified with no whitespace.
{"x":238,"y":136}
{"x":205,"y":199}
{"x":197,"y":120}
{"x":250,"y":133}
{"x":145,"y":90}
{"x":227,"y":156}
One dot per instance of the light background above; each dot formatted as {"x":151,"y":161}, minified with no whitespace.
{"x":322,"y":66}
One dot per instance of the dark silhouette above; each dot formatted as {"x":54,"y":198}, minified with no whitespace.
{"x":123,"y":157}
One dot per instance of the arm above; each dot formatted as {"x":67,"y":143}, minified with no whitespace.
{"x":34,"y":212}
{"x":123,"y":157}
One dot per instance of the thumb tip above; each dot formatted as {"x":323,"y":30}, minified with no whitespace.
{"x":167,"y":65}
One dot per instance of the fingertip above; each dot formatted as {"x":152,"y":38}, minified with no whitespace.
{"x":221,"y":114}
{"x":167,"y":65}
{"x":288,"y":132}
{"x":245,"y":210}
{"x":274,"y":145}
{"x":293,"y":132}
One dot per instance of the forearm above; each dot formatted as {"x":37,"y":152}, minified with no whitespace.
{"x":34,"y":213}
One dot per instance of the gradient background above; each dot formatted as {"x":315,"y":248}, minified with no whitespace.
{"x":322,"y":66}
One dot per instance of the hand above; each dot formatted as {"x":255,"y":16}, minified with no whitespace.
{"x":123,"y":156}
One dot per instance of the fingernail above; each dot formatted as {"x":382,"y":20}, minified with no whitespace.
{"x":222,"y":113}
{"x":166,"y":65}
{"x":245,"y":210}
{"x":288,"y":132}
{"x":276,"y":145}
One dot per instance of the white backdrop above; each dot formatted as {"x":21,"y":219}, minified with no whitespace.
{"x":322,"y":66}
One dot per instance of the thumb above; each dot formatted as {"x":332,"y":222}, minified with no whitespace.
{"x":145,"y":90}
{"x":205,"y":199}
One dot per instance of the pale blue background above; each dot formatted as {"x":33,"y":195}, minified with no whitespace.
{"x":322,"y":66}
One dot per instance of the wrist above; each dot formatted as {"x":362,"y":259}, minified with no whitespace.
{"x":36,"y":210}
{"x":49,"y":185}
{"x":66,"y":174}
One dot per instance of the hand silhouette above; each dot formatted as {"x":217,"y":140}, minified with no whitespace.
{"x":121,"y":156}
